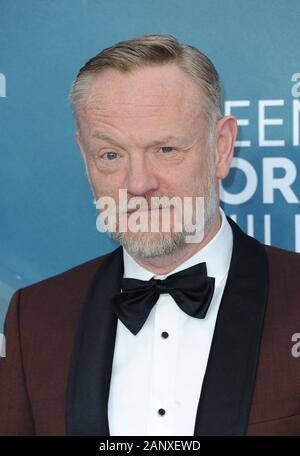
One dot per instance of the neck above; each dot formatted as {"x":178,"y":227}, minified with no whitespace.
{"x":163,"y":264}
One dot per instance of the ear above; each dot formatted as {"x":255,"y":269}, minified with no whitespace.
{"x":225,"y":136}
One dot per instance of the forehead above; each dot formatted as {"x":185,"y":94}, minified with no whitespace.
{"x":156,"y":96}
{"x":146,"y":86}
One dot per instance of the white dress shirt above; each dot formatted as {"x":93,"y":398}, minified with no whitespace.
{"x":151,"y":372}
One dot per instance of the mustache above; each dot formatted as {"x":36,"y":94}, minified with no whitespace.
{"x":125,"y":205}
{"x":146,"y":202}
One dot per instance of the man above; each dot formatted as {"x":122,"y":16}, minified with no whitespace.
{"x":162,"y":336}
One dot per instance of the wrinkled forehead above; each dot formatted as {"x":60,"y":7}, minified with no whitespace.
{"x":145,"y":92}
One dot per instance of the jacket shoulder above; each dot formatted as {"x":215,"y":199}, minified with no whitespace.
{"x":59,"y":293}
{"x":282,"y":257}
{"x":72,"y":277}
{"x":284,"y":283}
{"x":284,"y":270}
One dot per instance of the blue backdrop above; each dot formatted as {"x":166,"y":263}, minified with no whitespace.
{"x":46,"y":206}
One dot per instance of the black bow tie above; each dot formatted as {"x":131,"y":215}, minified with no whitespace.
{"x":191,"y":288}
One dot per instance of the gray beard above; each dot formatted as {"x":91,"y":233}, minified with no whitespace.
{"x":137,"y":244}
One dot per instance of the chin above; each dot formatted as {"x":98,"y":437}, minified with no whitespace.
{"x":148,"y":245}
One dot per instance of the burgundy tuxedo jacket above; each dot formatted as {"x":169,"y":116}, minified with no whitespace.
{"x":60,"y":336}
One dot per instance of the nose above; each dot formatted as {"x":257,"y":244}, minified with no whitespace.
{"x":140,"y":178}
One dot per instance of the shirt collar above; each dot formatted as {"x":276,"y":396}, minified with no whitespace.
{"x":216,"y":254}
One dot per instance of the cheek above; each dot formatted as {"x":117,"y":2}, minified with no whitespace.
{"x":195,"y":183}
{"x":96,"y":180}
{"x":192,"y":177}
{"x":176,"y":185}
{"x":200,"y":172}
{"x":104,"y":185}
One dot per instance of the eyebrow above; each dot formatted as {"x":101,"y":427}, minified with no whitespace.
{"x":106,"y":137}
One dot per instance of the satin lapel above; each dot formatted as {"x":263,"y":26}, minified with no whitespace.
{"x":229,"y":381}
{"x":91,"y":361}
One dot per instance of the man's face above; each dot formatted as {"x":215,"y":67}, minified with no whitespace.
{"x":146,"y":132}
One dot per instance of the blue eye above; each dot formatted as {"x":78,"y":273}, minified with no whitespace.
{"x":111,"y":155}
{"x":167,"y":149}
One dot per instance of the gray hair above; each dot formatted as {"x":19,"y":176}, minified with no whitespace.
{"x":144,"y":50}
